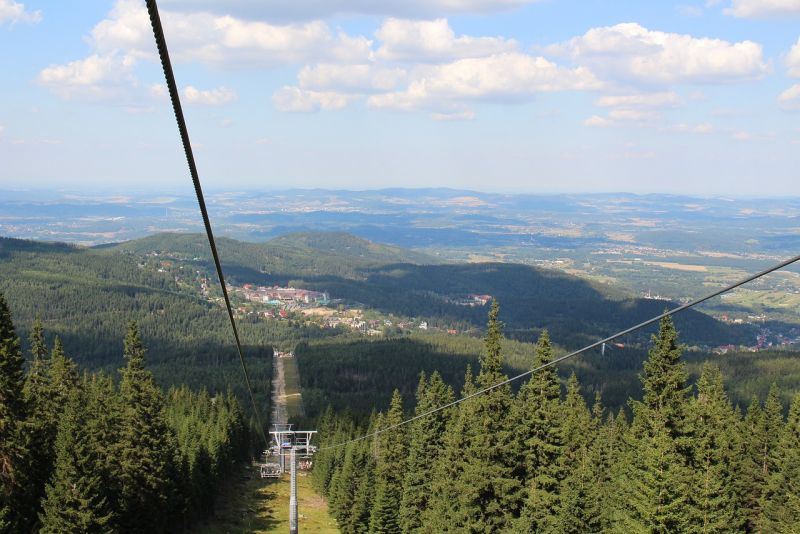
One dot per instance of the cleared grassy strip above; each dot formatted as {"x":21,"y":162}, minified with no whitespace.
{"x":294,"y":399}
{"x":262,"y":506}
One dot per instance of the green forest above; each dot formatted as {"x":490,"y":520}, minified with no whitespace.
{"x":600,"y":444}
{"x":92,"y":452}
{"x":541,"y":460}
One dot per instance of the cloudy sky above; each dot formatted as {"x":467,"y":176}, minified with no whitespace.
{"x":694,"y":96}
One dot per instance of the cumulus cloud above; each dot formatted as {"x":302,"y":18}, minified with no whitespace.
{"x":763,"y":8}
{"x":790,"y":98}
{"x":294,"y":99}
{"x":96,"y":77}
{"x":210,"y":97}
{"x":13,"y":12}
{"x":433,"y":40}
{"x":224,"y":41}
{"x":598,"y":121}
{"x":647,"y":100}
{"x":630,"y":53}
{"x":315,"y":9}
{"x":354,"y":78}
{"x":700,"y":128}
{"x":507,"y":76}
{"x":793,"y":60}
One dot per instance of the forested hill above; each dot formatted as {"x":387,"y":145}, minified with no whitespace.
{"x":87,"y":297}
{"x":394,"y":280}
{"x":387,"y":279}
{"x":307,"y":253}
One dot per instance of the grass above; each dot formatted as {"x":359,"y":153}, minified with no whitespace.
{"x":291,"y":376}
{"x":262,"y":506}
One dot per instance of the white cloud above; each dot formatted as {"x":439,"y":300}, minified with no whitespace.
{"x":700,"y":128}
{"x":633,"y":115}
{"x":763,"y":8}
{"x":315,"y":9}
{"x":14,"y":12}
{"x":158,"y":91}
{"x":790,"y":98}
{"x":648,"y":100}
{"x":210,"y":97}
{"x":630,"y":53}
{"x":508,"y":76}
{"x":97,"y":77}
{"x":433,"y":40}
{"x":598,"y":121}
{"x":742,"y":136}
{"x":219,"y":41}
{"x":225,"y":41}
{"x":793,"y":60}
{"x":294,"y":99}
{"x":464,"y":115}
{"x":355,"y":78}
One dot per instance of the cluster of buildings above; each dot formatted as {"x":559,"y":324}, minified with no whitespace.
{"x":766,"y":339}
{"x":284,"y":295}
{"x":472,"y":300}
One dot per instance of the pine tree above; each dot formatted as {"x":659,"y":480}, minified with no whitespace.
{"x":716,"y":457}
{"x":762,"y":427}
{"x":540,"y":421}
{"x":75,"y":499}
{"x":425,"y":448}
{"x":147,"y":445}
{"x":578,"y":509}
{"x":104,"y":428}
{"x":389,"y":470}
{"x":444,"y":512}
{"x":14,"y":511}
{"x":42,"y":422}
{"x":489,"y":496}
{"x":781,"y":498}
{"x":346,"y":484}
{"x":48,"y":386}
{"x":655,"y":477}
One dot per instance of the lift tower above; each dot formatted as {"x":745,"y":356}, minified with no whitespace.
{"x":289,"y":445}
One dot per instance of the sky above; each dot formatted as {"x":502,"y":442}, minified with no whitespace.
{"x":698,"y":97}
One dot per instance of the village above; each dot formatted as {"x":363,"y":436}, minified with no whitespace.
{"x":317,"y":307}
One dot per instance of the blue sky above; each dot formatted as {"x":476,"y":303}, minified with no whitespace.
{"x":697,"y":97}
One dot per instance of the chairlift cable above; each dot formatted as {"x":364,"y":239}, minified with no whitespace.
{"x":163,"y":53}
{"x":551,"y":363}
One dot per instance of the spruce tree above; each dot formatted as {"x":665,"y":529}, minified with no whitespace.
{"x":14,"y":510}
{"x":489,"y":494}
{"x":578,"y":507}
{"x":541,"y":428}
{"x":444,"y":512}
{"x":75,"y":500}
{"x":389,"y":470}
{"x":104,"y":428}
{"x":147,"y":445}
{"x":655,"y":477}
{"x":426,"y":446}
{"x":762,"y":428}
{"x":716,"y":498}
{"x":781,"y":498}
{"x":42,"y":421}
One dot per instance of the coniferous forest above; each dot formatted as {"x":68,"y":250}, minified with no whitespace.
{"x":681,"y":459}
{"x":96,"y":453}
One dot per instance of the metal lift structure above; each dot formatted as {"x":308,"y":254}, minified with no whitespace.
{"x":289,"y":446}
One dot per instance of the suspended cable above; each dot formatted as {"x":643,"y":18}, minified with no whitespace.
{"x":163,"y":53}
{"x":570,"y":355}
